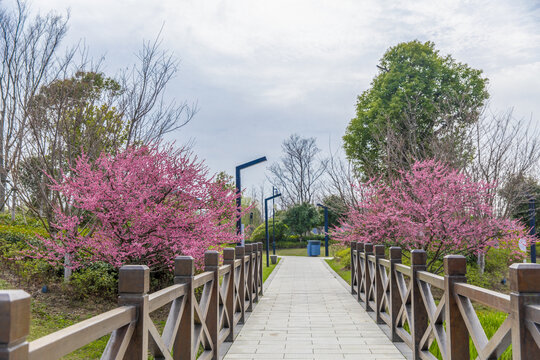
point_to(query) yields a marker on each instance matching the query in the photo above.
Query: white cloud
(264, 69)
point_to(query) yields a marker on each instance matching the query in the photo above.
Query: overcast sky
(262, 70)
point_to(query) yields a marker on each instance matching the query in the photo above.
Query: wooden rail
(401, 297)
(227, 292)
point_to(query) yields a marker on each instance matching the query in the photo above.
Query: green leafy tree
(419, 106)
(66, 118)
(259, 234)
(252, 217)
(302, 218)
(226, 179)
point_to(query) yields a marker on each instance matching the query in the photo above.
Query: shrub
(15, 240)
(21, 233)
(344, 257)
(496, 269)
(259, 234)
(29, 270)
(98, 280)
(306, 237)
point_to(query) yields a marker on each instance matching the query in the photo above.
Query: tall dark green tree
(302, 218)
(420, 105)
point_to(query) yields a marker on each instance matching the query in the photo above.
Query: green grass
(491, 320)
(338, 268)
(292, 252)
(299, 252)
(267, 270)
(44, 323)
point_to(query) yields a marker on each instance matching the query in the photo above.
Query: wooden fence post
(15, 324)
(228, 259)
(525, 290)
(353, 267)
(255, 249)
(457, 335)
(211, 263)
(183, 349)
(395, 298)
(379, 254)
(419, 313)
(359, 269)
(260, 254)
(133, 286)
(240, 251)
(249, 253)
(368, 250)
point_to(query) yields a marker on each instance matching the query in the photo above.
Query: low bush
(21, 233)
(27, 270)
(259, 234)
(495, 271)
(283, 244)
(98, 280)
(344, 257)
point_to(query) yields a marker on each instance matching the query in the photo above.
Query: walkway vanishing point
(307, 313)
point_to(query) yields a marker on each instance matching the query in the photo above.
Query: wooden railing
(403, 298)
(195, 328)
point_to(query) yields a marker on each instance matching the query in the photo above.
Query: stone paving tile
(307, 314)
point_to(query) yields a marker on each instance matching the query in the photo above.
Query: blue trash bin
(314, 248)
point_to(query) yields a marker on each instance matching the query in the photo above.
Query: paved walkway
(307, 314)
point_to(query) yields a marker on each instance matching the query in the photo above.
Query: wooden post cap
(14, 316)
(260, 246)
(395, 253)
(360, 246)
(368, 248)
(353, 245)
(379, 250)
(249, 248)
(211, 260)
(525, 278)
(184, 266)
(455, 265)
(228, 254)
(240, 251)
(134, 279)
(418, 257)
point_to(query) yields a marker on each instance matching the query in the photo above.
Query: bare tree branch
(299, 173)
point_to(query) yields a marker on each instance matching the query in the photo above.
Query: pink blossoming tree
(430, 207)
(144, 205)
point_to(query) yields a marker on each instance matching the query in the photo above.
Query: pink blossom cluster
(144, 205)
(430, 207)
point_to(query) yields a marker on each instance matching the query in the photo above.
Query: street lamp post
(274, 191)
(325, 228)
(239, 191)
(266, 223)
(532, 224)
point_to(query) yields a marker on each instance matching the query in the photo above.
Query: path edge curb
(271, 277)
